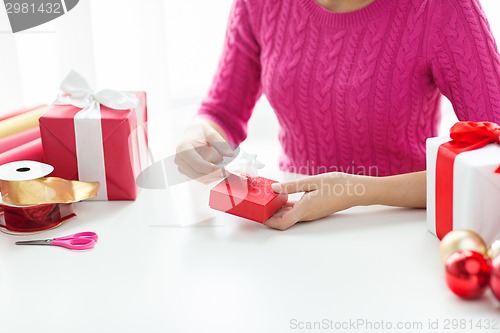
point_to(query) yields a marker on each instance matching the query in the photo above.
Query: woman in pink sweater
(355, 85)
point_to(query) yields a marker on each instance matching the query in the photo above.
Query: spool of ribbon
(88, 133)
(23, 183)
(34, 218)
(32, 202)
(46, 190)
(465, 136)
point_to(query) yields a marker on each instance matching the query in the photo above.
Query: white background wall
(168, 48)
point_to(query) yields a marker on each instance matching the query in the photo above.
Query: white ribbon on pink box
(88, 135)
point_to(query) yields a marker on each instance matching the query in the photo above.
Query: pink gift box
(121, 137)
(251, 198)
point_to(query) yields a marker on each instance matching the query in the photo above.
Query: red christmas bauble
(495, 277)
(468, 273)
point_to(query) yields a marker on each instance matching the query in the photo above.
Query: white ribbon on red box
(88, 135)
(245, 165)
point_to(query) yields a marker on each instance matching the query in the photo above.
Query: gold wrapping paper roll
(22, 122)
(46, 190)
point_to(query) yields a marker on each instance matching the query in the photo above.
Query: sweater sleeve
(236, 85)
(465, 63)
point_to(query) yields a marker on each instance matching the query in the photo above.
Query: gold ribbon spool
(17, 189)
(46, 190)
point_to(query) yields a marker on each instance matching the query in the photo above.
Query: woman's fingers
(305, 184)
(284, 209)
(284, 218)
(192, 158)
(209, 154)
(205, 179)
(202, 152)
(192, 165)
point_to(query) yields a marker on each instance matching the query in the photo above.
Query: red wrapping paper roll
(19, 139)
(34, 218)
(29, 151)
(18, 112)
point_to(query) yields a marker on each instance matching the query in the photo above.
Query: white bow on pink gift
(88, 131)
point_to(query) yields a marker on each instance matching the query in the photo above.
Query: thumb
(306, 184)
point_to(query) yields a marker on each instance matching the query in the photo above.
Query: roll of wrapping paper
(29, 151)
(20, 111)
(34, 218)
(18, 139)
(21, 122)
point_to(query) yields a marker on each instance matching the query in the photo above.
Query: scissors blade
(35, 242)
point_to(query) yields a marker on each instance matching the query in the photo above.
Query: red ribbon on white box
(88, 133)
(465, 136)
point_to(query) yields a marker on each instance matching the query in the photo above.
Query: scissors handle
(84, 235)
(79, 243)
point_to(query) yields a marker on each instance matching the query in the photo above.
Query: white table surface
(152, 272)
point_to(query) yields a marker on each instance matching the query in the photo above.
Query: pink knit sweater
(355, 92)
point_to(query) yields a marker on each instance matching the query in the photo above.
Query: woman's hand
(324, 195)
(329, 193)
(202, 147)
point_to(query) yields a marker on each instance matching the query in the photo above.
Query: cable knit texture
(355, 92)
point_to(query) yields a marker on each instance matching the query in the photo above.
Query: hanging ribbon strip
(34, 218)
(46, 190)
(465, 136)
(88, 133)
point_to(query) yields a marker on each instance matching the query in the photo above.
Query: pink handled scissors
(79, 241)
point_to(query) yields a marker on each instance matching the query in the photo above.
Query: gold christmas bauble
(494, 249)
(461, 240)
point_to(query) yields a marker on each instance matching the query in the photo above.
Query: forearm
(236, 86)
(406, 190)
(329, 193)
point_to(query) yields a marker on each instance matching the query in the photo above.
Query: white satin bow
(245, 165)
(76, 91)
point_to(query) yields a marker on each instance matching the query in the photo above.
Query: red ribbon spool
(35, 218)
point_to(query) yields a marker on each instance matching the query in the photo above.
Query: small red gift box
(251, 198)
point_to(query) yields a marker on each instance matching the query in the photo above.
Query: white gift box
(476, 191)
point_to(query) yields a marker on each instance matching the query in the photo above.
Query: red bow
(465, 136)
(475, 134)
